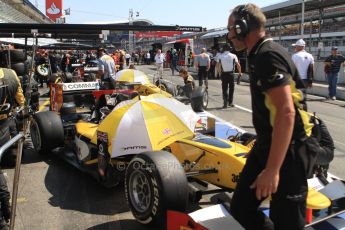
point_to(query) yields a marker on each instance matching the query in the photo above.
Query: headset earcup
(241, 28)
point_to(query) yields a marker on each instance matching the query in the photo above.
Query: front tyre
(199, 99)
(154, 183)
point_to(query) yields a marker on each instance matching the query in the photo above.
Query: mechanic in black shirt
(274, 166)
(11, 93)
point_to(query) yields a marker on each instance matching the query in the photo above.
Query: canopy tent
(185, 40)
(215, 34)
(30, 41)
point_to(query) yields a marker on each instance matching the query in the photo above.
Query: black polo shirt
(335, 62)
(271, 66)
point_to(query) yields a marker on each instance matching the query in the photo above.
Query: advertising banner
(157, 34)
(54, 9)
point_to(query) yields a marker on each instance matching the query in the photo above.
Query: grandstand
(322, 25)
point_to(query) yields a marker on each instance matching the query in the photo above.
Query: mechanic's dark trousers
(121, 66)
(202, 74)
(173, 67)
(8, 129)
(304, 91)
(40, 79)
(288, 204)
(4, 198)
(228, 83)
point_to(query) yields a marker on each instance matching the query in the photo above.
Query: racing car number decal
(235, 177)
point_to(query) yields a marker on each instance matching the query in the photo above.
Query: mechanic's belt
(106, 79)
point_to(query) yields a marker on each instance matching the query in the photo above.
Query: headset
(241, 25)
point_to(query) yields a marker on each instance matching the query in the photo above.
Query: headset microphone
(230, 38)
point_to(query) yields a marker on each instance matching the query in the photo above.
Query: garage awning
(215, 34)
(185, 40)
(30, 41)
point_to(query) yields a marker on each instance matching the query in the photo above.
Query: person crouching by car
(188, 80)
(106, 70)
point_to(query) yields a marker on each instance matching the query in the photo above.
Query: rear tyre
(19, 68)
(46, 131)
(154, 183)
(17, 55)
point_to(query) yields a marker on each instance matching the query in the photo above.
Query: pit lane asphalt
(55, 195)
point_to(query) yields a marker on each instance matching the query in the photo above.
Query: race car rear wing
(78, 86)
(58, 90)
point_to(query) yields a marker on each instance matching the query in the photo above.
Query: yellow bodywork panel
(317, 200)
(87, 130)
(148, 89)
(227, 161)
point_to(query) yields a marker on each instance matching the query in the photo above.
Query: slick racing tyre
(18, 55)
(46, 131)
(19, 68)
(199, 99)
(154, 183)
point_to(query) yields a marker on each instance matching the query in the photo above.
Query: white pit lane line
(250, 111)
(244, 109)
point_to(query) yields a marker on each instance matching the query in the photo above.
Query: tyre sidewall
(50, 129)
(154, 210)
(34, 128)
(197, 99)
(168, 184)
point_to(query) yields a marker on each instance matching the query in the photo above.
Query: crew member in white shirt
(159, 59)
(304, 62)
(228, 62)
(147, 58)
(128, 58)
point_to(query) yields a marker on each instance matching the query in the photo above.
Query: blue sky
(209, 14)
